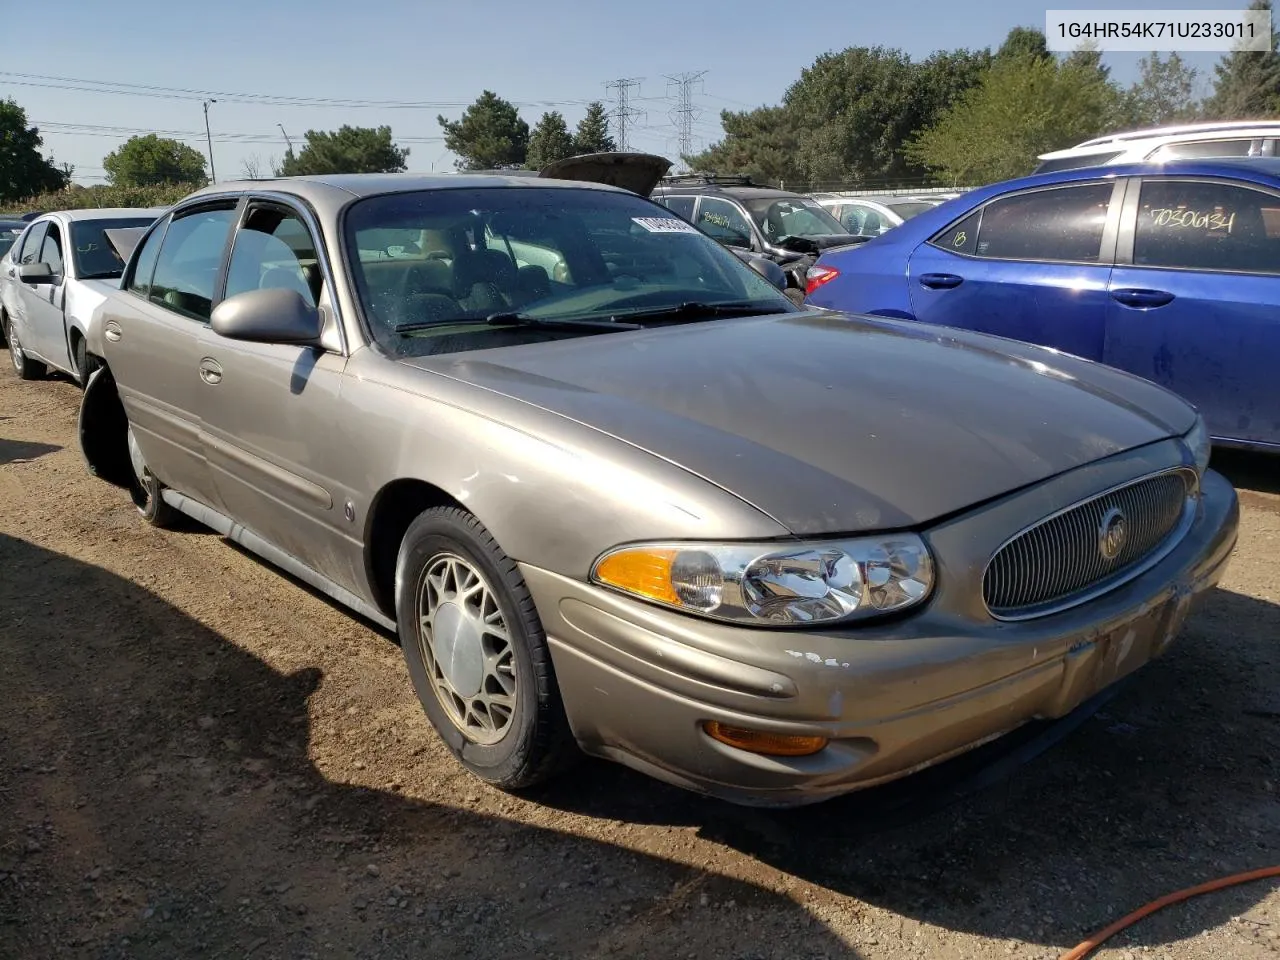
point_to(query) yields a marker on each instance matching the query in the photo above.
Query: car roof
(106, 213)
(1184, 129)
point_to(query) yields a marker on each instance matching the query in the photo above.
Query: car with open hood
(618, 495)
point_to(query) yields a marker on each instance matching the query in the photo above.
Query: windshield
(909, 208)
(798, 217)
(95, 258)
(438, 271)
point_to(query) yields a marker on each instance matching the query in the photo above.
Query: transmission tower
(684, 113)
(623, 113)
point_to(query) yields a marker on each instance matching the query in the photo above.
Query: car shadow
(1169, 785)
(20, 451)
(158, 798)
(1259, 472)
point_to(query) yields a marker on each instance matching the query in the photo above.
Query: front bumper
(639, 681)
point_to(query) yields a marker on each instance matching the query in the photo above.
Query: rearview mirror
(267, 316)
(35, 273)
(769, 270)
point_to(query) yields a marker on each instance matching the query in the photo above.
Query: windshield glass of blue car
(799, 217)
(96, 258)
(443, 270)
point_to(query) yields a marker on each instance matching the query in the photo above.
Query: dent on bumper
(639, 681)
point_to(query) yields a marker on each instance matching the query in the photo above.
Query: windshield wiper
(512, 319)
(692, 310)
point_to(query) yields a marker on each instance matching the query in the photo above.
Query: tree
(1163, 93)
(592, 135)
(1024, 43)
(24, 172)
(549, 142)
(255, 168)
(1247, 83)
(346, 150)
(1023, 107)
(148, 160)
(762, 143)
(490, 135)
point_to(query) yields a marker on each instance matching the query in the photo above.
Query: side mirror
(769, 270)
(267, 316)
(34, 273)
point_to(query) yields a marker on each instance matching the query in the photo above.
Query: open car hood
(124, 239)
(637, 172)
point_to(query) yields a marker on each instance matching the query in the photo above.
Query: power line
(623, 113)
(684, 113)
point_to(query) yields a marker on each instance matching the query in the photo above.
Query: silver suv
(1196, 141)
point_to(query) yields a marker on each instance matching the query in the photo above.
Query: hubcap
(466, 648)
(15, 349)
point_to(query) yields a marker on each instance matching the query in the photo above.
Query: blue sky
(549, 55)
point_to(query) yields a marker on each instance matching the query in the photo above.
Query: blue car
(1167, 270)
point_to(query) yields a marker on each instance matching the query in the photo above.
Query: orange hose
(1086, 948)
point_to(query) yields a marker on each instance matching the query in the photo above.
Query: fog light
(756, 741)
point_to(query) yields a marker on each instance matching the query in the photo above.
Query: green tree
(763, 143)
(592, 135)
(23, 169)
(490, 135)
(1023, 43)
(345, 150)
(549, 142)
(1163, 93)
(1247, 83)
(1023, 107)
(149, 160)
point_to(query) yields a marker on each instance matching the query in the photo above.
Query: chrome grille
(1060, 561)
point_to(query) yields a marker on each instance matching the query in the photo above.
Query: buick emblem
(1113, 533)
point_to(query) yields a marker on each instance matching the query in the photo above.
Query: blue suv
(1167, 270)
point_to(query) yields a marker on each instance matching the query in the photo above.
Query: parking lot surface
(200, 757)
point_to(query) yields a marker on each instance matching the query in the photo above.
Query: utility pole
(623, 113)
(684, 113)
(288, 142)
(213, 176)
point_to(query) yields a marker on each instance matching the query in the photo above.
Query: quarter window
(961, 237)
(1063, 224)
(145, 265)
(1200, 225)
(273, 250)
(187, 268)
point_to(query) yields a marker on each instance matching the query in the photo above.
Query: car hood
(824, 241)
(836, 424)
(637, 172)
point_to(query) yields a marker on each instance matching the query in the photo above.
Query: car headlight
(774, 584)
(1197, 440)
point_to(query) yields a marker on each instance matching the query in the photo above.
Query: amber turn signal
(770, 744)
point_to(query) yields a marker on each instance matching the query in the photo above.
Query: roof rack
(1226, 126)
(724, 180)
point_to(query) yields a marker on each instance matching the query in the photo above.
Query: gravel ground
(201, 758)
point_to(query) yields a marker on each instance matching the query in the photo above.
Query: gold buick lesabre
(619, 495)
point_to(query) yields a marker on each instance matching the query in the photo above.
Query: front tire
(477, 653)
(146, 490)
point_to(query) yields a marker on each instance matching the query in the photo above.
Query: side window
(187, 268)
(1063, 224)
(1200, 149)
(681, 205)
(31, 243)
(273, 250)
(721, 220)
(1199, 225)
(961, 237)
(51, 249)
(145, 265)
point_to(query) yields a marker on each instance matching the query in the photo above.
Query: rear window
(1077, 163)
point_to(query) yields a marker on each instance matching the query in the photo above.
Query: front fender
(103, 431)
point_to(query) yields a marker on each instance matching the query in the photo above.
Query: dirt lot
(198, 757)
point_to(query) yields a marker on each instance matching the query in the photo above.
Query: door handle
(210, 371)
(111, 330)
(1142, 299)
(940, 281)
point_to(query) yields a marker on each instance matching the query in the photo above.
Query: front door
(152, 342)
(1030, 266)
(1195, 299)
(44, 333)
(270, 417)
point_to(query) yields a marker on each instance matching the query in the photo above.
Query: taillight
(817, 275)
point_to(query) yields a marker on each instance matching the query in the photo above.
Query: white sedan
(52, 279)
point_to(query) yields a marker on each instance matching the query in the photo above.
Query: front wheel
(23, 366)
(477, 653)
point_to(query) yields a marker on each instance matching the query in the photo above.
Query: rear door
(271, 414)
(151, 339)
(1032, 265)
(1195, 299)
